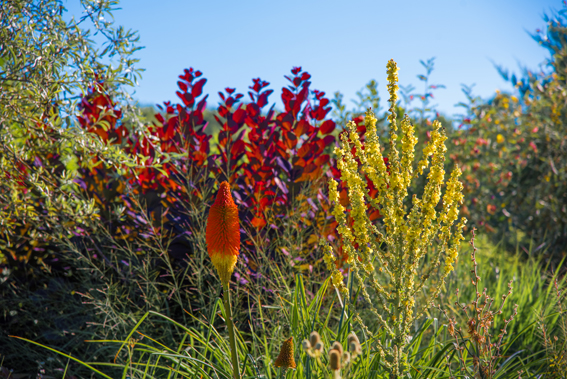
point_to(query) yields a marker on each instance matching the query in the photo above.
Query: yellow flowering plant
(398, 257)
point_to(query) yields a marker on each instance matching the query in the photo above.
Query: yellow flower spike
(392, 250)
(392, 70)
(285, 359)
(223, 233)
(408, 147)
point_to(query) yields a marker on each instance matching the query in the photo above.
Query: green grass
(154, 318)
(202, 350)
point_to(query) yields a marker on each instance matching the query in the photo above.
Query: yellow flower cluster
(398, 244)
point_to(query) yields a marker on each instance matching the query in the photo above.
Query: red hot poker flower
(223, 233)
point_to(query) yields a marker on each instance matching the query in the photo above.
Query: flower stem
(231, 336)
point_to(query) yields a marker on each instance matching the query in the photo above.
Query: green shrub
(513, 153)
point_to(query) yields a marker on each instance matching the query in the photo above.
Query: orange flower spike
(285, 358)
(223, 233)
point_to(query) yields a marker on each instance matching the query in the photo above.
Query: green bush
(513, 152)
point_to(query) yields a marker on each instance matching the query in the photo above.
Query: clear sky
(342, 44)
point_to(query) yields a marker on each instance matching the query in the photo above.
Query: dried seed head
(352, 338)
(337, 346)
(306, 345)
(314, 338)
(345, 358)
(317, 350)
(334, 360)
(285, 358)
(451, 329)
(355, 349)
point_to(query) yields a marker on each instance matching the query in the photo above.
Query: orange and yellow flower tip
(285, 358)
(223, 233)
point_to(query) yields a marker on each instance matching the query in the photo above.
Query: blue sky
(342, 44)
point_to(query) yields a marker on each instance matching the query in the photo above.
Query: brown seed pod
(334, 360)
(285, 358)
(355, 349)
(345, 358)
(314, 338)
(337, 346)
(352, 338)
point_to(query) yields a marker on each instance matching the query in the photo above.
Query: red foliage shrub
(268, 157)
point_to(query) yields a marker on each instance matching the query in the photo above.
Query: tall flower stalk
(223, 245)
(389, 258)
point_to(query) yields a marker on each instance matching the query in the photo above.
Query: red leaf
(321, 160)
(258, 223)
(301, 127)
(374, 215)
(290, 140)
(336, 173)
(202, 104)
(238, 147)
(197, 89)
(188, 100)
(222, 111)
(239, 115)
(263, 98)
(327, 127)
(310, 168)
(300, 162)
(188, 76)
(218, 119)
(287, 96)
(264, 202)
(305, 76)
(257, 86)
(303, 150)
(301, 97)
(253, 109)
(182, 86)
(326, 141)
(286, 121)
